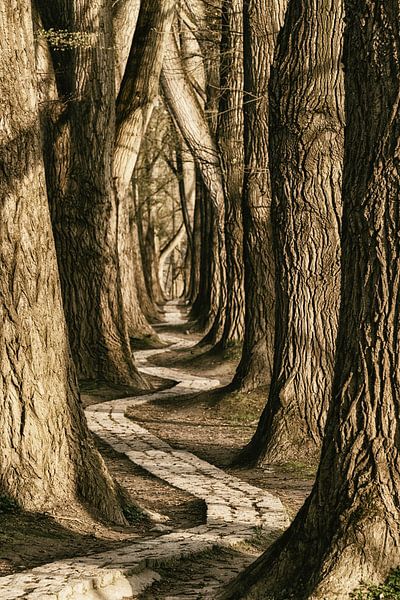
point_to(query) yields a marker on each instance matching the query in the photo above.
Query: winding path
(234, 508)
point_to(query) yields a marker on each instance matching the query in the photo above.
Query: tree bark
(125, 15)
(79, 149)
(134, 107)
(48, 460)
(148, 307)
(306, 155)
(230, 134)
(348, 529)
(262, 23)
(139, 87)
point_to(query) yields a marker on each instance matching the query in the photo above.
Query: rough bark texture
(47, 458)
(231, 146)
(195, 274)
(125, 15)
(79, 148)
(262, 23)
(139, 87)
(306, 155)
(348, 529)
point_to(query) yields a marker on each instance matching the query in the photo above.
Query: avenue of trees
(244, 157)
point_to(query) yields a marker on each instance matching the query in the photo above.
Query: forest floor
(213, 430)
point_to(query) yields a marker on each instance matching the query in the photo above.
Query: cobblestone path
(234, 508)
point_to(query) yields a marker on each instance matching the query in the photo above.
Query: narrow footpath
(234, 508)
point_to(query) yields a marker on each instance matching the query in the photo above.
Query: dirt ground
(212, 430)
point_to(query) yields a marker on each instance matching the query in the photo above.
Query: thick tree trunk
(231, 145)
(202, 308)
(47, 460)
(348, 529)
(306, 150)
(262, 23)
(137, 325)
(80, 139)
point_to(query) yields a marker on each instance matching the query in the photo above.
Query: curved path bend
(234, 508)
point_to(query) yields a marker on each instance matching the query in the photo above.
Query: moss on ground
(389, 590)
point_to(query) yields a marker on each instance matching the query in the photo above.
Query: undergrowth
(389, 590)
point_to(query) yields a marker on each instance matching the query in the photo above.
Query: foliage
(390, 590)
(62, 39)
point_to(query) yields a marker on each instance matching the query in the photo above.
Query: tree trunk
(137, 325)
(135, 102)
(139, 87)
(125, 15)
(231, 145)
(194, 286)
(262, 23)
(47, 460)
(348, 529)
(78, 156)
(306, 154)
(148, 307)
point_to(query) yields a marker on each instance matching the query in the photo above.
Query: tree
(262, 23)
(48, 459)
(230, 133)
(135, 102)
(79, 150)
(348, 529)
(306, 155)
(188, 113)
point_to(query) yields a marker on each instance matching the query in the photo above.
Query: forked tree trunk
(125, 14)
(230, 134)
(135, 102)
(262, 23)
(306, 155)
(47, 460)
(194, 285)
(348, 531)
(80, 143)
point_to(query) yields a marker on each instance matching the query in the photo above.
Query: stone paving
(234, 508)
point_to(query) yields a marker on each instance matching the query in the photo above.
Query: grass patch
(389, 590)
(299, 468)
(242, 408)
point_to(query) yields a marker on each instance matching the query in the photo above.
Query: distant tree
(189, 114)
(47, 458)
(348, 529)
